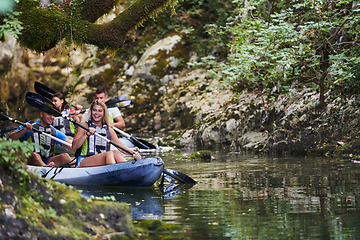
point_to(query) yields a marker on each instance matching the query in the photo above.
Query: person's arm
(118, 122)
(60, 135)
(118, 119)
(16, 135)
(69, 147)
(116, 140)
(77, 116)
(85, 116)
(81, 135)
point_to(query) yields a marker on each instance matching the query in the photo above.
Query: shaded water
(250, 197)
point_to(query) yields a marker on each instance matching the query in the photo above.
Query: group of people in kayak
(90, 149)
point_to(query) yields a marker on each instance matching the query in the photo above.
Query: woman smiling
(92, 150)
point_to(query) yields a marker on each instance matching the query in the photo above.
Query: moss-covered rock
(204, 155)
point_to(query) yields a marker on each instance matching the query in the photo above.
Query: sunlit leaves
(295, 42)
(10, 24)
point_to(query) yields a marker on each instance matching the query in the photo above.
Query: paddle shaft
(98, 135)
(36, 130)
(129, 136)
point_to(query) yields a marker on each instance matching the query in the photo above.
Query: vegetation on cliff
(294, 44)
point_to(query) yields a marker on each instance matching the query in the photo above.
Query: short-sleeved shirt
(59, 134)
(113, 112)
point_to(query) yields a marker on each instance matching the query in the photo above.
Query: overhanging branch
(93, 9)
(112, 35)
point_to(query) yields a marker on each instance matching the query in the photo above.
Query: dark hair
(61, 96)
(100, 90)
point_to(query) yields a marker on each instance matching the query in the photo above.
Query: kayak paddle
(121, 101)
(43, 90)
(4, 117)
(137, 142)
(46, 92)
(181, 177)
(5, 130)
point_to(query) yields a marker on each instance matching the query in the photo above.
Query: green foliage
(292, 44)
(14, 153)
(10, 24)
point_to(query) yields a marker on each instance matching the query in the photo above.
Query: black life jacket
(93, 144)
(64, 125)
(47, 143)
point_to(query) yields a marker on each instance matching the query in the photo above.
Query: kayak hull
(141, 173)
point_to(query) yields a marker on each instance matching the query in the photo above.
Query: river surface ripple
(252, 197)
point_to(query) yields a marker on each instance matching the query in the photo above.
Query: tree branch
(45, 27)
(332, 37)
(93, 9)
(112, 35)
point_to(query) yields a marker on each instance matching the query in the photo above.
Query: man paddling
(115, 117)
(45, 156)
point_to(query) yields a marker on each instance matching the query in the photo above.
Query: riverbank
(195, 113)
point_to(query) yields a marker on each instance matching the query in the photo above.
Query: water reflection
(171, 190)
(249, 197)
(146, 203)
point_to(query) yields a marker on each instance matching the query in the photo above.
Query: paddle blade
(180, 177)
(121, 101)
(142, 144)
(5, 131)
(43, 90)
(42, 103)
(124, 103)
(173, 189)
(3, 116)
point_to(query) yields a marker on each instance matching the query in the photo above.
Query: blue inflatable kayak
(141, 173)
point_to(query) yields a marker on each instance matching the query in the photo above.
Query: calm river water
(250, 197)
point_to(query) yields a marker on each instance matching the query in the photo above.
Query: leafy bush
(293, 44)
(14, 154)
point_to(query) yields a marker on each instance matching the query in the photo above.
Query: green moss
(48, 26)
(156, 229)
(300, 152)
(104, 79)
(172, 140)
(201, 155)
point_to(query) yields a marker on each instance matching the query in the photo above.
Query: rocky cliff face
(259, 123)
(14, 72)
